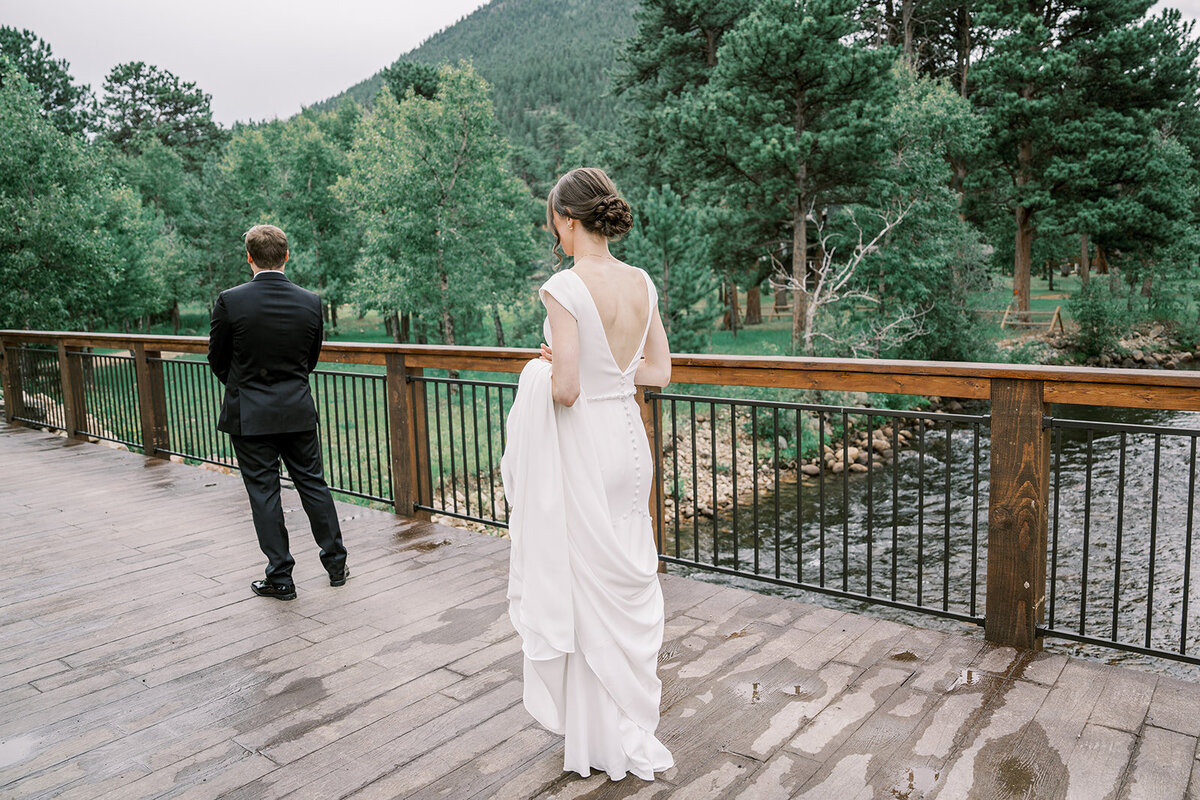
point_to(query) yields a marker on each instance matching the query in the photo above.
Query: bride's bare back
(619, 293)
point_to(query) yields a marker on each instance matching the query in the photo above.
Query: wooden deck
(135, 663)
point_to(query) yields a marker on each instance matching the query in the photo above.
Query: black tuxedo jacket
(265, 340)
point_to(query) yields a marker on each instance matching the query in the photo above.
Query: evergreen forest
(877, 173)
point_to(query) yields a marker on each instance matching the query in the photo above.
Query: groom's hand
(547, 353)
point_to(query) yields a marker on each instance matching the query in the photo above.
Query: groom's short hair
(267, 245)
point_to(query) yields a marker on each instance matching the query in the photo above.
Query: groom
(265, 340)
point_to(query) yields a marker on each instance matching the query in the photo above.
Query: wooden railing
(1018, 502)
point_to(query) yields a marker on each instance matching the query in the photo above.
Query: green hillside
(539, 55)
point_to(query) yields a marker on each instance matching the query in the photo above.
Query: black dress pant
(258, 458)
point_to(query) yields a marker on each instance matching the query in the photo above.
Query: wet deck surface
(135, 663)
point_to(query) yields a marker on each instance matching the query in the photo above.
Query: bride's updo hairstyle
(587, 194)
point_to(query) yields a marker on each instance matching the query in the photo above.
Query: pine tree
(671, 241)
(788, 121)
(68, 106)
(143, 100)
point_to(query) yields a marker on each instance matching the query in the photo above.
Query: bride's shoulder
(645, 276)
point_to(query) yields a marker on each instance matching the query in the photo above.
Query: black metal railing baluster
(870, 506)
(1120, 532)
(487, 411)
(778, 487)
(920, 510)
(503, 434)
(799, 498)
(475, 433)
(355, 428)
(675, 474)
(695, 487)
(1187, 547)
(821, 497)
(1087, 533)
(1057, 478)
(754, 482)
(737, 548)
(462, 426)
(1153, 536)
(450, 389)
(975, 523)
(845, 501)
(946, 510)
(383, 463)
(194, 436)
(895, 504)
(712, 441)
(437, 412)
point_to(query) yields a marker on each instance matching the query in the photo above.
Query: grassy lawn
(772, 337)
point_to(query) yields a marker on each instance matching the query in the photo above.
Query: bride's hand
(547, 353)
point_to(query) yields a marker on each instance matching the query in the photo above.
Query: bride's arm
(655, 369)
(564, 331)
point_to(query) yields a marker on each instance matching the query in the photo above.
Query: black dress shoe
(340, 579)
(279, 591)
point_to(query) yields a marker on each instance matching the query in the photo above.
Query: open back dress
(583, 587)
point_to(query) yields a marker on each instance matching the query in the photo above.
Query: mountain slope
(537, 54)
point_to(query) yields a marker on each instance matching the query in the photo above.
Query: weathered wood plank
(1160, 765)
(157, 674)
(1175, 706)
(1097, 764)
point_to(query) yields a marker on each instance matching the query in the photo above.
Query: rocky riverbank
(713, 488)
(1148, 347)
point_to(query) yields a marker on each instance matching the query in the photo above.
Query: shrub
(1099, 317)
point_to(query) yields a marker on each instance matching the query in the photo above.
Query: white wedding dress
(583, 585)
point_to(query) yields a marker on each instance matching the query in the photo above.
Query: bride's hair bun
(588, 195)
(611, 217)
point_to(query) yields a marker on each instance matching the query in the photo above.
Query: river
(913, 540)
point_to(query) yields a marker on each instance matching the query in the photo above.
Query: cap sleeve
(559, 286)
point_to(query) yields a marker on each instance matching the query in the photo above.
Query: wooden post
(1017, 514)
(13, 398)
(406, 432)
(650, 423)
(152, 399)
(71, 378)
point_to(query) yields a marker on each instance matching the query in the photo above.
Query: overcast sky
(258, 59)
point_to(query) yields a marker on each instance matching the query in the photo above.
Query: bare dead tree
(832, 281)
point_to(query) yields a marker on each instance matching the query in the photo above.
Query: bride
(583, 586)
